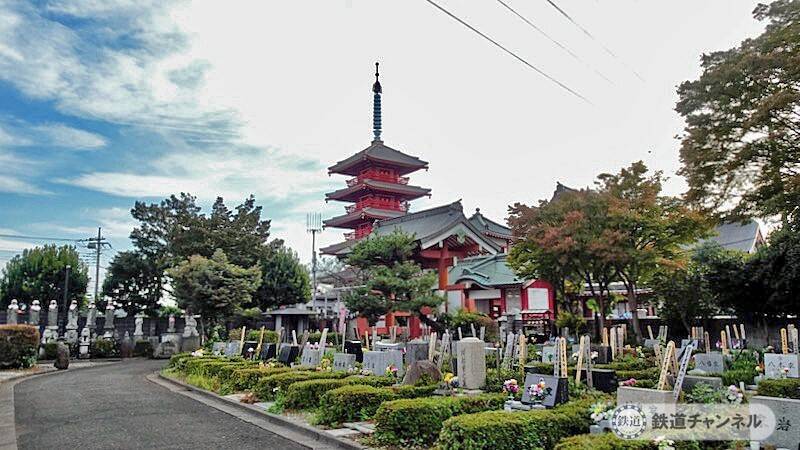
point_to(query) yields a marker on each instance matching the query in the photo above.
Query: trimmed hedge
(784, 388)
(244, 379)
(178, 361)
(351, 403)
(418, 421)
(307, 394)
(733, 377)
(644, 374)
(19, 345)
(606, 441)
(501, 430)
(266, 387)
(225, 373)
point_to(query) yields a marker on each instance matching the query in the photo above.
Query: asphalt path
(116, 407)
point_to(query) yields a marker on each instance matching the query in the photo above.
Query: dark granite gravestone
(559, 392)
(288, 354)
(603, 355)
(604, 380)
(249, 349)
(267, 352)
(354, 348)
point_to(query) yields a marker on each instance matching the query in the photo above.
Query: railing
(378, 176)
(393, 205)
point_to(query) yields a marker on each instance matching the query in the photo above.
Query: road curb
(319, 435)
(8, 427)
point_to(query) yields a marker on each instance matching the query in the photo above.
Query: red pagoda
(379, 186)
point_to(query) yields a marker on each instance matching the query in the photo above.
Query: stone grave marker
(382, 346)
(416, 350)
(548, 354)
(268, 351)
(342, 362)
(288, 353)
(774, 363)
(629, 395)
(712, 362)
(690, 381)
(650, 343)
(218, 348)
(354, 348)
(377, 362)
(310, 357)
(558, 389)
(471, 363)
(787, 420)
(233, 349)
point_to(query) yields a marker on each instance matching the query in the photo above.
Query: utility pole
(314, 226)
(97, 245)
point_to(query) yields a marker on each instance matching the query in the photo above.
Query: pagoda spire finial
(376, 106)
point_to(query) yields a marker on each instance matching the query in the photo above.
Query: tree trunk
(633, 304)
(601, 315)
(436, 326)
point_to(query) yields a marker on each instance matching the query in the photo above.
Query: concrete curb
(326, 439)
(8, 427)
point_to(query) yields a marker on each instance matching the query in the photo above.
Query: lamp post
(63, 328)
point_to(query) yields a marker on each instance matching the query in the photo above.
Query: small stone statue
(126, 348)
(91, 316)
(62, 356)
(138, 334)
(52, 314)
(109, 322)
(190, 327)
(83, 348)
(33, 315)
(72, 315)
(13, 312)
(171, 328)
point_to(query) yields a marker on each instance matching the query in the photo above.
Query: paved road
(116, 407)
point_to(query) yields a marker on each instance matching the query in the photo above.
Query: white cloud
(60, 135)
(15, 185)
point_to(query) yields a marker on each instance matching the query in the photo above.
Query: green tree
(213, 287)
(649, 229)
(740, 148)
(568, 238)
(393, 281)
(134, 282)
(39, 274)
(284, 279)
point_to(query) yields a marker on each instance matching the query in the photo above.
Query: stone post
(13, 312)
(33, 314)
(471, 363)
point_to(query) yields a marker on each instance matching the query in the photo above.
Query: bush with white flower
(601, 411)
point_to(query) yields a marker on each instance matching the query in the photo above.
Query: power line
(38, 238)
(519, 58)
(559, 44)
(591, 36)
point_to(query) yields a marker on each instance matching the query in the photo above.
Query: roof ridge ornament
(377, 90)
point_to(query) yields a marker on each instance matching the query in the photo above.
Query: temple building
(379, 196)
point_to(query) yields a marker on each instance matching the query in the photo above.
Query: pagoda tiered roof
(378, 154)
(358, 216)
(368, 186)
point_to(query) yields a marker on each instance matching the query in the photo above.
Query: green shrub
(143, 348)
(178, 361)
(192, 366)
(606, 441)
(331, 338)
(351, 403)
(639, 374)
(306, 394)
(784, 388)
(374, 381)
(627, 363)
(19, 345)
(104, 348)
(500, 430)
(208, 368)
(733, 377)
(225, 372)
(418, 421)
(543, 368)
(496, 377)
(266, 387)
(244, 379)
(412, 391)
(50, 351)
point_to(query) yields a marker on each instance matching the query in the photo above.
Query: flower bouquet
(450, 382)
(629, 382)
(511, 387)
(734, 395)
(539, 391)
(601, 411)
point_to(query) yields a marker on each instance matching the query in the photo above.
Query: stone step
(343, 432)
(361, 427)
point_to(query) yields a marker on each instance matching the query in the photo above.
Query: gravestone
(712, 362)
(342, 362)
(471, 363)
(774, 363)
(219, 348)
(604, 380)
(685, 342)
(603, 354)
(83, 346)
(650, 343)
(12, 313)
(33, 314)
(354, 348)
(288, 353)
(377, 362)
(310, 357)
(627, 395)
(190, 343)
(548, 354)
(268, 351)
(419, 369)
(249, 349)
(165, 350)
(690, 381)
(383, 346)
(126, 347)
(558, 389)
(233, 348)
(416, 350)
(787, 420)
(138, 334)
(72, 323)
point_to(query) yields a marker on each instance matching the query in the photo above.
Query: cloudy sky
(104, 102)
